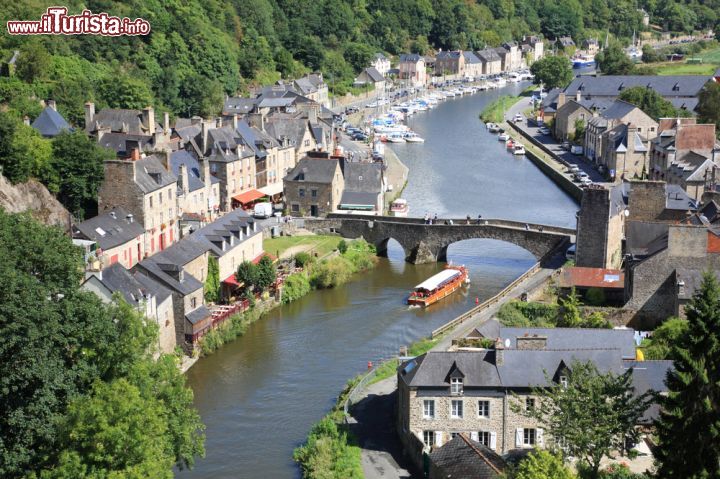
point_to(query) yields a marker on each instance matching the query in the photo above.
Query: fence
(485, 304)
(359, 388)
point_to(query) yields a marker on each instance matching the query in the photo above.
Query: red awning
(248, 196)
(231, 280)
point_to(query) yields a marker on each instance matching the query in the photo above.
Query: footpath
(373, 413)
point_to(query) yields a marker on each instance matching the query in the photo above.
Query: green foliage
(664, 339)
(614, 61)
(552, 71)
(495, 111)
(303, 259)
(330, 273)
(708, 108)
(592, 416)
(595, 296)
(342, 246)
(23, 152)
(212, 283)
(649, 101)
(67, 359)
(266, 274)
(295, 287)
(328, 453)
(651, 55)
(233, 327)
(620, 471)
(596, 320)
(542, 464)
(689, 424)
(519, 314)
(247, 274)
(569, 311)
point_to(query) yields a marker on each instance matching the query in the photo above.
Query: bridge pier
(424, 253)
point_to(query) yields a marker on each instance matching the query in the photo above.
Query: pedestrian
(527, 227)
(427, 218)
(479, 219)
(540, 229)
(435, 217)
(450, 222)
(468, 219)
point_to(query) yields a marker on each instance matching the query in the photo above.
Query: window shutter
(519, 437)
(489, 409)
(540, 437)
(438, 438)
(474, 435)
(493, 441)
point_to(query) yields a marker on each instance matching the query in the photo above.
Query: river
(260, 394)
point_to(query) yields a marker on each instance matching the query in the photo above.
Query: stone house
(473, 65)
(198, 194)
(449, 63)
(364, 187)
(686, 154)
(537, 47)
(381, 63)
(412, 69)
(269, 163)
(113, 128)
(313, 87)
(314, 187)
(566, 43)
(443, 394)
(49, 122)
(568, 115)
(119, 237)
(491, 61)
(513, 60)
(298, 131)
(154, 301)
(231, 239)
(371, 77)
(591, 46)
(144, 187)
(464, 456)
(600, 227)
(182, 269)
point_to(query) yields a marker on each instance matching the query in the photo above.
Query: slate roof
(448, 55)
(198, 314)
(380, 56)
(237, 223)
(576, 338)
(671, 86)
(151, 175)
(292, 128)
(432, 369)
(282, 102)
(488, 55)
(618, 109)
(692, 279)
(118, 142)
(109, 232)
(187, 132)
(464, 458)
(645, 239)
(172, 259)
(123, 121)
(358, 198)
(471, 58)
(257, 140)
(50, 123)
(313, 170)
(363, 177)
(649, 376)
(239, 105)
(182, 157)
(374, 75)
(133, 287)
(411, 57)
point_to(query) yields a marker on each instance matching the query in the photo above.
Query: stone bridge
(425, 243)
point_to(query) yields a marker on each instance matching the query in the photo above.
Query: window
(456, 409)
(428, 409)
(529, 437)
(529, 404)
(193, 302)
(150, 199)
(160, 197)
(453, 435)
(564, 381)
(295, 208)
(429, 438)
(484, 409)
(484, 438)
(313, 193)
(456, 385)
(301, 192)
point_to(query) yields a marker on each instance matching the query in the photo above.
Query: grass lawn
(495, 111)
(710, 56)
(677, 68)
(320, 244)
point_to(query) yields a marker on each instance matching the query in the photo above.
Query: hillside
(33, 197)
(198, 51)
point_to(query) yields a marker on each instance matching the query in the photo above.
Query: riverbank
(396, 176)
(495, 111)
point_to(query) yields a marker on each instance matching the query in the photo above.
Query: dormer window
(456, 386)
(564, 381)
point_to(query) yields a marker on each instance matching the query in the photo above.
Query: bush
(519, 314)
(330, 273)
(342, 246)
(660, 345)
(596, 320)
(595, 297)
(296, 286)
(303, 259)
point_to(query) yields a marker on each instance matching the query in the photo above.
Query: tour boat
(396, 138)
(581, 61)
(399, 208)
(439, 286)
(518, 149)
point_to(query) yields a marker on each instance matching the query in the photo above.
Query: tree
(542, 464)
(649, 101)
(266, 274)
(342, 246)
(570, 311)
(689, 424)
(212, 283)
(708, 108)
(552, 71)
(614, 61)
(664, 338)
(579, 129)
(247, 274)
(79, 165)
(592, 416)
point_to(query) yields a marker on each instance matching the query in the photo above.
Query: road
(528, 126)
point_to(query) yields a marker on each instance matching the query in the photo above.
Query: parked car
(565, 145)
(574, 168)
(544, 131)
(585, 181)
(576, 150)
(570, 253)
(359, 136)
(580, 175)
(351, 109)
(518, 118)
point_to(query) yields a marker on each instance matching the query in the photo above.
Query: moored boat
(439, 286)
(399, 208)
(518, 149)
(503, 137)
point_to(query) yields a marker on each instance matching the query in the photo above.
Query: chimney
(51, 104)
(313, 114)
(148, 117)
(130, 218)
(219, 122)
(235, 121)
(166, 122)
(578, 95)
(196, 120)
(204, 139)
(165, 159)
(89, 115)
(499, 352)
(532, 342)
(560, 99)
(135, 154)
(183, 179)
(205, 170)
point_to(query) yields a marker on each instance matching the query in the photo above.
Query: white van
(576, 150)
(263, 210)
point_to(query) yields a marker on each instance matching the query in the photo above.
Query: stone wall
(165, 316)
(593, 225)
(647, 200)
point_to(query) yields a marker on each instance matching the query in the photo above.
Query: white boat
(492, 127)
(396, 138)
(503, 137)
(399, 208)
(518, 149)
(414, 138)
